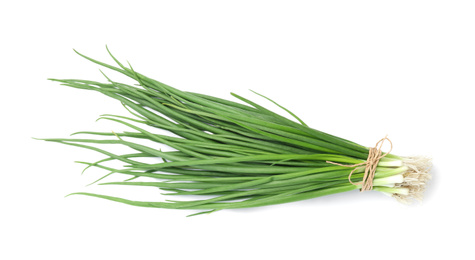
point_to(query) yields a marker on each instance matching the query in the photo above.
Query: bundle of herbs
(238, 155)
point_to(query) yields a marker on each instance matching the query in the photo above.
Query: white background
(356, 69)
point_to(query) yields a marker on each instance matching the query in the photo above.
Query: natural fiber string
(371, 164)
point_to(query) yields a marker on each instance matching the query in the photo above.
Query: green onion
(238, 155)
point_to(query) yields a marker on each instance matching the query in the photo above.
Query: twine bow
(370, 165)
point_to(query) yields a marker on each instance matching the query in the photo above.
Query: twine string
(370, 165)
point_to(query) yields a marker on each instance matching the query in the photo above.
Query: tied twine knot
(370, 165)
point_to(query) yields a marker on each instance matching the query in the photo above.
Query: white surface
(356, 69)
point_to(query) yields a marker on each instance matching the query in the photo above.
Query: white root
(415, 178)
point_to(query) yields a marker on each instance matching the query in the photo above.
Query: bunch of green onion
(238, 155)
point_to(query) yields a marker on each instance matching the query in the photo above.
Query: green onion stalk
(236, 154)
